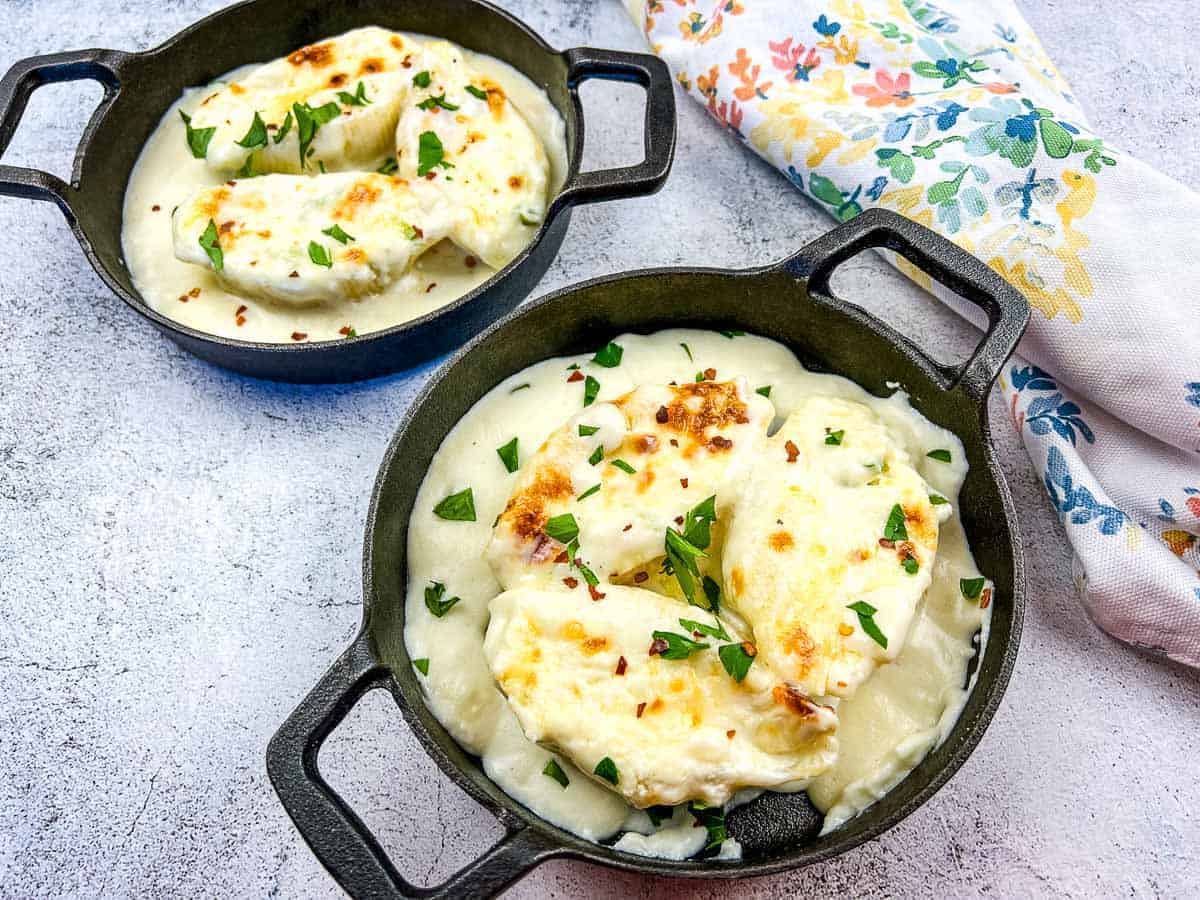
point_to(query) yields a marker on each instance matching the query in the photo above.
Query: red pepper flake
(596, 595)
(345, 330)
(293, 274)
(717, 442)
(985, 598)
(562, 557)
(710, 374)
(658, 645)
(571, 582)
(885, 542)
(679, 520)
(299, 335)
(241, 309)
(641, 577)
(194, 293)
(240, 321)
(183, 298)
(662, 416)
(155, 208)
(231, 183)
(749, 649)
(470, 262)
(418, 232)
(627, 527)
(730, 733)
(683, 482)
(431, 286)
(793, 451)
(621, 664)
(674, 443)
(429, 176)
(641, 708)
(406, 62)
(575, 376)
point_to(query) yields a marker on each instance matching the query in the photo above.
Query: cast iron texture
(138, 87)
(789, 302)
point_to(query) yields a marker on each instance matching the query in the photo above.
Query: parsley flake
(284, 128)
(563, 528)
(430, 154)
(941, 455)
(335, 232)
(458, 507)
(588, 430)
(588, 492)
(623, 466)
(937, 499)
(319, 255)
(597, 455)
(866, 619)
(422, 79)
(609, 355)
(688, 351)
(678, 646)
(607, 769)
(256, 137)
(732, 334)
(712, 592)
(476, 92)
(197, 138)
(713, 820)
(591, 388)
(971, 587)
(554, 770)
(434, 593)
(431, 102)
(911, 566)
(737, 660)
(422, 665)
(895, 529)
(389, 166)
(508, 455)
(212, 247)
(714, 631)
(358, 98)
(765, 390)
(834, 438)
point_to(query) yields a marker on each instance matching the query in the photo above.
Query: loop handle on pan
(335, 833)
(659, 131)
(1007, 310)
(18, 86)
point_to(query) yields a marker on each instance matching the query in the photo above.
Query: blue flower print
(1193, 393)
(1077, 502)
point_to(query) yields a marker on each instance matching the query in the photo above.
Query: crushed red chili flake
(596, 595)
(717, 442)
(683, 482)
(985, 598)
(470, 262)
(240, 321)
(621, 664)
(793, 451)
(641, 577)
(406, 62)
(730, 733)
(710, 374)
(674, 443)
(241, 309)
(885, 542)
(155, 208)
(293, 274)
(183, 298)
(627, 527)
(345, 330)
(561, 558)
(571, 582)
(662, 416)
(641, 708)
(418, 232)
(679, 520)
(194, 293)
(575, 376)
(299, 335)
(231, 183)
(658, 645)
(429, 176)
(431, 286)
(749, 649)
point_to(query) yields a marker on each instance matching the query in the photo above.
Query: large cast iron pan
(138, 88)
(789, 302)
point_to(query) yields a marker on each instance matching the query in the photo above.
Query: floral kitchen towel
(954, 116)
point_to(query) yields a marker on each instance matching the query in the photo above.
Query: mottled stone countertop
(181, 546)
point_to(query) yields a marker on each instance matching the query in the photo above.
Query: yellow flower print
(1179, 541)
(787, 123)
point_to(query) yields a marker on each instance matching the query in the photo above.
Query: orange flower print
(729, 114)
(792, 60)
(886, 90)
(707, 87)
(1000, 87)
(748, 75)
(1179, 541)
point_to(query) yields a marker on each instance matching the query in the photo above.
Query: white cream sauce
(166, 174)
(904, 710)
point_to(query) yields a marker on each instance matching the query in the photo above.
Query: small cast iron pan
(138, 88)
(790, 302)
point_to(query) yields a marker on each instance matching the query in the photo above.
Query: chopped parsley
(458, 507)
(623, 466)
(337, 234)
(256, 137)
(434, 593)
(508, 455)
(688, 351)
(212, 247)
(684, 548)
(732, 334)
(895, 530)
(597, 455)
(591, 387)
(712, 591)
(476, 92)
(521, 387)
(358, 98)
(714, 631)
(588, 430)
(308, 121)
(563, 529)
(422, 665)
(941, 455)
(554, 770)
(431, 102)
(834, 438)
(422, 79)
(409, 232)
(697, 520)
(284, 128)
(609, 355)
(866, 619)
(588, 492)
(937, 499)
(737, 660)
(430, 154)
(197, 138)
(319, 255)
(971, 587)
(389, 166)
(247, 169)
(765, 390)
(713, 820)
(679, 646)
(607, 769)
(911, 566)
(530, 217)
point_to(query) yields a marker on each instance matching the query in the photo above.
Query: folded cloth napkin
(954, 116)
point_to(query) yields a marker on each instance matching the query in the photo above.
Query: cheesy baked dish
(355, 184)
(648, 583)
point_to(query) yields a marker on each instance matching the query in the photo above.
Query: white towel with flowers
(954, 116)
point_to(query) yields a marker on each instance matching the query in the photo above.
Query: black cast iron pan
(790, 302)
(138, 88)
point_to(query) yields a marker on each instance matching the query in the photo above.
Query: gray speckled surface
(180, 551)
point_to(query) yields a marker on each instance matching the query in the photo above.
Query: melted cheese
(580, 676)
(167, 175)
(894, 718)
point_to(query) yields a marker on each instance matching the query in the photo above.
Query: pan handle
(338, 837)
(18, 85)
(659, 132)
(1007, 310)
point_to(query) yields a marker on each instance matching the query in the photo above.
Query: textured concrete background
(180, 550)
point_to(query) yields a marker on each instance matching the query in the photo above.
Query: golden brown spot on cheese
(798, 644)
(397, 43)
(657, 704)
(789, 695)
(697, 407)
(212, 202)
(337, 80)
(236, 88)
(315, 55)
(362, 194)
(526, 510)
(645, 479)
(515, 182)
(495, 98)
(355, 255)
(475, 136)
(737, 580)
(781, 541)
(644, 443)
(676, 685)
(845, 630)
(593, 645)
(573, 630)
(920, 526)
(371, 66)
